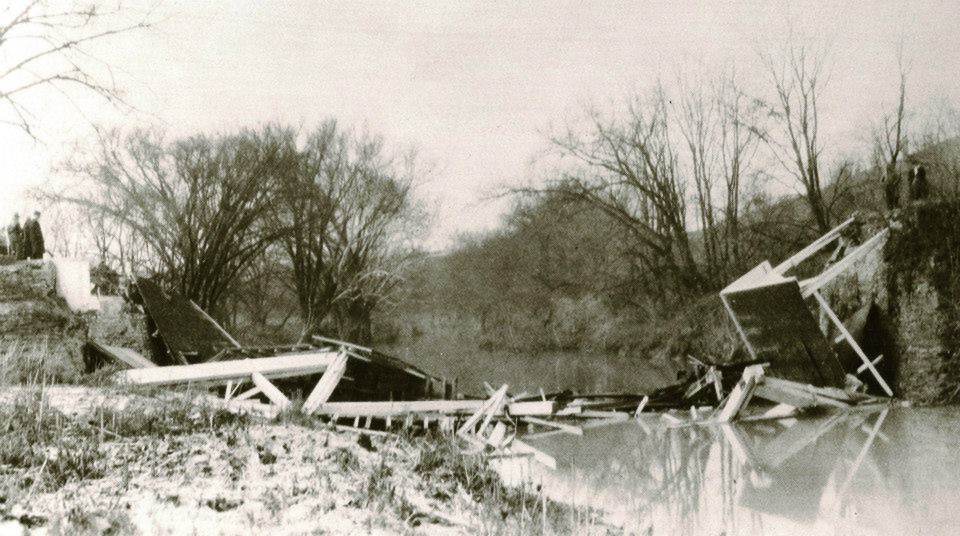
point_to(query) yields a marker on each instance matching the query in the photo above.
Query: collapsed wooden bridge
(793, 367)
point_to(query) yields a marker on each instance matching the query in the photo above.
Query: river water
(882, 471)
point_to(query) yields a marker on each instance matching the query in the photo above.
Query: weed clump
(36, 439)
(343, 459)
(172, 417)
(46, 449)
(447, 469)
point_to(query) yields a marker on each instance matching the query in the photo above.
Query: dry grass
(40, 360)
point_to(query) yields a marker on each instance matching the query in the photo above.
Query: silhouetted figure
(15, 239)
(33, 237)
(919, 187)
(891, 190)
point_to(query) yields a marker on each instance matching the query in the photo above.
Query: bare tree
(308, 196)
(43, 46)
(629, 170)
(738, 144)
(714, 120)
(339, 215)
(698, 117)
(890, 141)
(196, 205)
(798, 79)
(370, 234)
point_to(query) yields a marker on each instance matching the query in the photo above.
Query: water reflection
(885, 471)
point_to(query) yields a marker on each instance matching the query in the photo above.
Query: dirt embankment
(41, 339)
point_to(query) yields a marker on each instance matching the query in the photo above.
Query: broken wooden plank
(569, 428)
(471, 423)
(795, 398)
(270, 391)
(811, 249)
(437, 406)
(327, 383)
(741, 393)
(852, 342)
(717, 378)
(614, 415)
(497, 435)
(780, 411)
(247, 394)
(809, 286)
(829, 392)
(519, 447)
(224, 371)
(127, 356)
(641, 406)
(495, 409)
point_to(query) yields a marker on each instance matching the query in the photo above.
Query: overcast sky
(473, 85)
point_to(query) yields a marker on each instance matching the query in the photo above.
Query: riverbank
(165, 465)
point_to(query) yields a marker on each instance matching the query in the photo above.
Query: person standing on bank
(33, 237)
(919, 187)
(15, 239)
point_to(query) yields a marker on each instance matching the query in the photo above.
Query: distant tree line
(646, 211)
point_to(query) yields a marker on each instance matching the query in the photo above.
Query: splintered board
(184, 327)
(778, 326)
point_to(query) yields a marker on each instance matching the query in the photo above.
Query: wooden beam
(217, 326)
(811, 249)
(338, 342)
(471, 423)
(569, 428)
(641, 406)
(697, 385)
(864, 367)
(809, 286)
(780, 411)
(270, 391)
(614, 415)
(519, 447)
(736, 324)
(223, 371)
(460, 407)
(494, 409)
(828, 392)
(127, 356)
(795, 397)
(741, 393)
(327, 383)
(246, 394)
(852, 342)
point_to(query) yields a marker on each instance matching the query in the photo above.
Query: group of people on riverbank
(25, 241)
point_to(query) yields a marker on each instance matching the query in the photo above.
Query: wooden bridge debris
(354, 387)
(769, 310)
